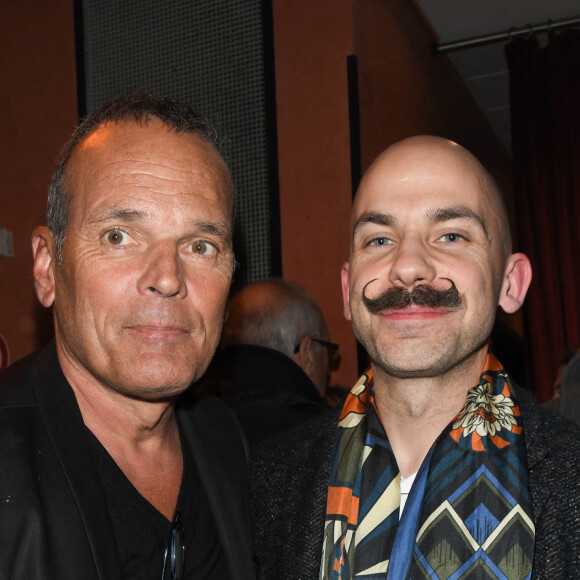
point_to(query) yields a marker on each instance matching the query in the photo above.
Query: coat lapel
(65, 427)
(220, 458)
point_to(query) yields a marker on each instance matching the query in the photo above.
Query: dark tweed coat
(289, 485)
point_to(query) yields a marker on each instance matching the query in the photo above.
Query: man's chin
(416, 365)
(154, 392)
(156, 380)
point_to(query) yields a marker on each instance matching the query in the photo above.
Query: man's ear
(43, 267)
(517, 279)
(304, 357)
(344, 279)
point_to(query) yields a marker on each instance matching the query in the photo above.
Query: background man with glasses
(108, 468)
(275, 365)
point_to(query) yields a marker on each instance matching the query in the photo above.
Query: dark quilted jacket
(290, 475)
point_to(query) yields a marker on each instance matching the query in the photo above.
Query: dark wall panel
(214, 55)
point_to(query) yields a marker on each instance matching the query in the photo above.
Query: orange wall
(404, 90)
(311, 43)
(38, 112)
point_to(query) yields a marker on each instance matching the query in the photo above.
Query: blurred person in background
(274, 367)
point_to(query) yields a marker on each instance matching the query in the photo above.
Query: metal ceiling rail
(550, 26)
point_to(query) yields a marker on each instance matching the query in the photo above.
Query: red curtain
(545, 112)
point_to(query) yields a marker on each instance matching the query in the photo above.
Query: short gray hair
(275, 314)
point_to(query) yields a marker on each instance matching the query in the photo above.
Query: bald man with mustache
(437, 465)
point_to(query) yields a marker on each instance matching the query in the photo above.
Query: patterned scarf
(469, 512)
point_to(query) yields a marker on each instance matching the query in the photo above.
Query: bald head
(429, 164)
(275, 314)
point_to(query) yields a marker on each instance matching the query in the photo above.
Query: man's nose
(164, 271)
(412, 263)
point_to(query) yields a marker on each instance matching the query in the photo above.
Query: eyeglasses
(174, 557)
(332, 347)
(333, 354)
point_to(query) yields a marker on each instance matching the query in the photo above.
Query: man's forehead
(421, 201)
(421, 177)
(126, 141)
(112, 134)
(145, 156)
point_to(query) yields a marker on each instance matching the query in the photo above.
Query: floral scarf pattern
(469, 512)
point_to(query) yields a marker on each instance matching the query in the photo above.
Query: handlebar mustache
(398, 298)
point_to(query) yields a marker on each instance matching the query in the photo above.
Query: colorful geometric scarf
(469, 512)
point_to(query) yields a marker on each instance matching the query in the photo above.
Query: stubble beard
(429, 356)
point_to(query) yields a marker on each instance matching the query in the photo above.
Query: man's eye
(115, 237)
(202, 248)
(380, 241)
(451, 237)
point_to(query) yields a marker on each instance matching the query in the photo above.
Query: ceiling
(484, 68)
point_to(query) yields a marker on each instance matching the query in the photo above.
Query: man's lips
(158, 330)
(415, 313)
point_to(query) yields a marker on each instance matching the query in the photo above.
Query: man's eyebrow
(117, 213)
(373, 217)
(221, 230)
(451, 213)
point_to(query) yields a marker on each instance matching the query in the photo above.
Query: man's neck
(141, 436)
(414, 411)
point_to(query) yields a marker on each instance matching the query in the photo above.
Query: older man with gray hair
(274, 368)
